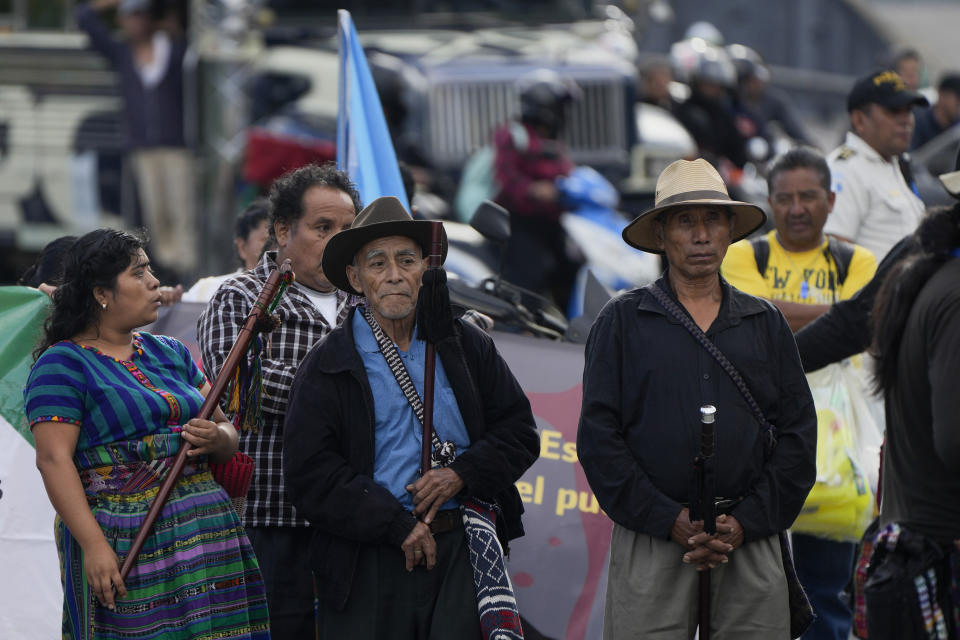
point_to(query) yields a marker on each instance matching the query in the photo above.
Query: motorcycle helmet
(544, 97)
(705, 31)
(696, 60)
(714, 66)
(748, 63)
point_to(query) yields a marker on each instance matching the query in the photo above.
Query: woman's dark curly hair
(94, 260)
(937, 236)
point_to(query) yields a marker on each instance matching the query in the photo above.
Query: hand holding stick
(705, 509)
(255, 323)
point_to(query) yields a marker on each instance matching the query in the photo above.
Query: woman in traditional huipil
(109, 409)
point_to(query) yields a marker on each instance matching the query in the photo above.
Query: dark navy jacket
(644, 381)
(844, 330)
(921, 457)
(328, 449)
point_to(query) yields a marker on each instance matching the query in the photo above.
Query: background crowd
(835, 207)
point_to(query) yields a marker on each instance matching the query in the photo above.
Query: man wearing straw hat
(390, 547)
(645, 378)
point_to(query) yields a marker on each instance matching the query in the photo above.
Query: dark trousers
(389, 603)
(282, 554)
(537, 258)
(824, 568)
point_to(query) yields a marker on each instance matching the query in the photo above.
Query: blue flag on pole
(364, 148)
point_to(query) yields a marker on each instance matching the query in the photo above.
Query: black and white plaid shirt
(301, 326)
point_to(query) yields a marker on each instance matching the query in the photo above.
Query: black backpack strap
(841, 253)
(761, 253)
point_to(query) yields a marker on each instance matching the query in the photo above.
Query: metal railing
(462, 112)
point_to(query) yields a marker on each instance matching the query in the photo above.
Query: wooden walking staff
(702, 506)
(434, 261)
(257, 322)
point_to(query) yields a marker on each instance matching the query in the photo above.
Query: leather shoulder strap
(674, 310)
(441, 453)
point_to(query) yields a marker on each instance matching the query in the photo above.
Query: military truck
(446, 79)
(446, 87)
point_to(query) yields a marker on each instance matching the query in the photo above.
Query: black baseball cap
(885, 88)
(950, 82)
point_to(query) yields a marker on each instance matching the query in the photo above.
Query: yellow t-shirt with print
(803, 277)
(834, 510)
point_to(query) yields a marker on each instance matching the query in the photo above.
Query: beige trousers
(165, 184)
(653, 595)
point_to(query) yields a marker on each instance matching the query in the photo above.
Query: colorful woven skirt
(196, 578)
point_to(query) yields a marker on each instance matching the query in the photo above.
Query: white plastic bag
(841, 503)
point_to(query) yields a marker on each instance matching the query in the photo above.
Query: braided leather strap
(442, 453)
(674, 310)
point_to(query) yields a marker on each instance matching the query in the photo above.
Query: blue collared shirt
(398, 432)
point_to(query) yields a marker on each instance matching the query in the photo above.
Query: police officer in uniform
(876, 204)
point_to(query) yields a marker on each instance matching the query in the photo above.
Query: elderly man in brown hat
(657, 355)
(392, 549)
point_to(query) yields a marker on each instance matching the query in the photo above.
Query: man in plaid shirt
(308, 206)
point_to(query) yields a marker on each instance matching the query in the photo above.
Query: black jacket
(921, 457)
(644, 381)
(711, 123)
(845, 329)
(329, 453)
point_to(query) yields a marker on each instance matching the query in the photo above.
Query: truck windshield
(440, 13)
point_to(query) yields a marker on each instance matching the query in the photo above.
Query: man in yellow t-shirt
(801, 272)
(804, 273)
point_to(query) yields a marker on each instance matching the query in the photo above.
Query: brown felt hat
(690, 183)
(382, 218)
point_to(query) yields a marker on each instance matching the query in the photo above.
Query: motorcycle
(477, 250)
(593, 223)
(475, 284)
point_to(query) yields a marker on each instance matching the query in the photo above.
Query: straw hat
(951, 180)
(690, 183)
(381, 218)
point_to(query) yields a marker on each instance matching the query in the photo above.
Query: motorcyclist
(708, 114)
(757, 105)
(529, 157)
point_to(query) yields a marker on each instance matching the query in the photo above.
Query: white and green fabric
(31, 590)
